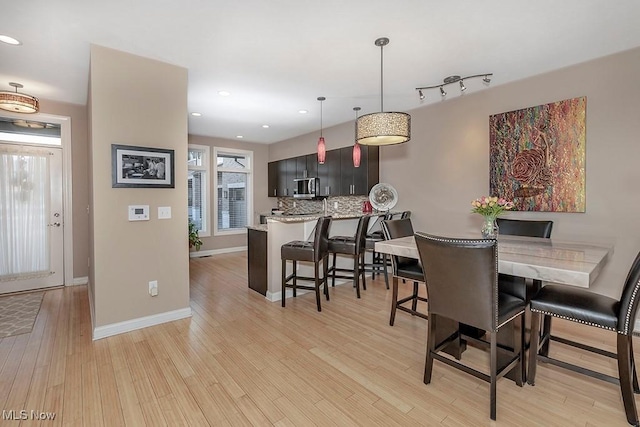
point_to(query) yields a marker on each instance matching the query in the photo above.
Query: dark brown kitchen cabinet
(358, 181)
(272, 179)
(329, 174)
(337, 176)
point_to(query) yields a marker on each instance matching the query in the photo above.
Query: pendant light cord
(382, 78)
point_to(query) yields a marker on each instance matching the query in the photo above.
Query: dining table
(573, 263)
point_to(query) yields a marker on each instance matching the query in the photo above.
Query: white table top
(550, 260)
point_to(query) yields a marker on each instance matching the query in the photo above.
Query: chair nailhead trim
(627, 319)
(575, 320)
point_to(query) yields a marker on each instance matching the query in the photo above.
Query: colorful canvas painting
(537, 156)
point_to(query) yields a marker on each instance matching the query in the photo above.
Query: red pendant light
(322, 149)
(356, 146)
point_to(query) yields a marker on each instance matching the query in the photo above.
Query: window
(234, 194)
(198, 187)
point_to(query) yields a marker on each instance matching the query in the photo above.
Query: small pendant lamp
(356, 147)
(322, 149)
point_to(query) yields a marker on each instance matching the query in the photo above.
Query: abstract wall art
(537, 156)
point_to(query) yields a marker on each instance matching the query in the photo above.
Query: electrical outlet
(335, 205)
(295, 204)
(153, 288)
(280, 204)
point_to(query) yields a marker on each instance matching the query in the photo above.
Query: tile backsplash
(345, 205)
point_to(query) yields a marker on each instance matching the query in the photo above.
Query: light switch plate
(164, 212)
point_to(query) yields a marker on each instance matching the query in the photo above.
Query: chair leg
(362, 272)
(431, 346)
(494, 369)
(375, 259)
(333, 270)
(414, 303)
(546, 330)
(384, 266)
(624, 372)
(519, 346)
(325, 279)
(283, 289)
(394, 301)
(295, 277)
(316, 271)
(533, 347)
(356, 276)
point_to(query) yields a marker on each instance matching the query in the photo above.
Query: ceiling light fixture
(383, 128)
(356, 147)
(265, 126)
(224, 93)
(196, 114)
(18, 102)
(322, 148)
(453, 79)
(9, 40)
(303, 111)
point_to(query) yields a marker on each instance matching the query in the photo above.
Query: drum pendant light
(356, 147)
(383, 128)
(322, 149)
(18, 102)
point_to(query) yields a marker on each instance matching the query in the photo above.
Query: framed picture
(538, 154)
(142, 167)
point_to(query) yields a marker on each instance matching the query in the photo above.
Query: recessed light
(303, 111)
(194, 114)
(265, 126)
(239, 136)
(224, 93)
(9, 40)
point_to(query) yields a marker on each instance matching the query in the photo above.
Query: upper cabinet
(337, 176)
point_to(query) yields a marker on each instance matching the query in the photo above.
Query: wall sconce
(453, 79)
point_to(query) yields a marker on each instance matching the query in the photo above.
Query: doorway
(32, 231)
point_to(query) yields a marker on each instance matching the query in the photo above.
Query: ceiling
(276, 57)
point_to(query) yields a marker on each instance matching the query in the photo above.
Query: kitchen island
(265, 241)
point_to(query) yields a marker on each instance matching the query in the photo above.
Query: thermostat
(138, 212)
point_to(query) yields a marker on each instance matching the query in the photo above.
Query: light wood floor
(241, 360)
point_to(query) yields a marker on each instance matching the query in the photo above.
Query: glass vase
(489, 228)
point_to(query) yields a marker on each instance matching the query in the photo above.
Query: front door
(31, 218)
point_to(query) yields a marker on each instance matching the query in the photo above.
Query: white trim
(200, 254)
(65, 135)
(77, 281)
(636, 326)
(139, 323)
(249, 189)
(206, 169)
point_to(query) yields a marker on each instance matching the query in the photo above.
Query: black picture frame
(142, 167)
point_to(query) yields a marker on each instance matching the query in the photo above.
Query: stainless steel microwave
(305, 188)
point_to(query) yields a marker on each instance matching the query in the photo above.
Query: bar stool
(315, 251)
(354, 246)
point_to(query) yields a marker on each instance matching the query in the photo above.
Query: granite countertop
(315, 216)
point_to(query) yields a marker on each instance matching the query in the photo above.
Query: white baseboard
(77, 281)
(142, 322)
(198, 254)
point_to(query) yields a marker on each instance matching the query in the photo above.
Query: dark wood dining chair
(519, 286)
(588, 308)
(405, 269)
(462, 283)
(316, 251)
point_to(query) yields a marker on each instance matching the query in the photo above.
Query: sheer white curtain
(24, 237)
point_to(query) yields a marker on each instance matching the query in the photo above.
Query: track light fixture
(453, 79)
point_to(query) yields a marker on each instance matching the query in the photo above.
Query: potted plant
(194, 239)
